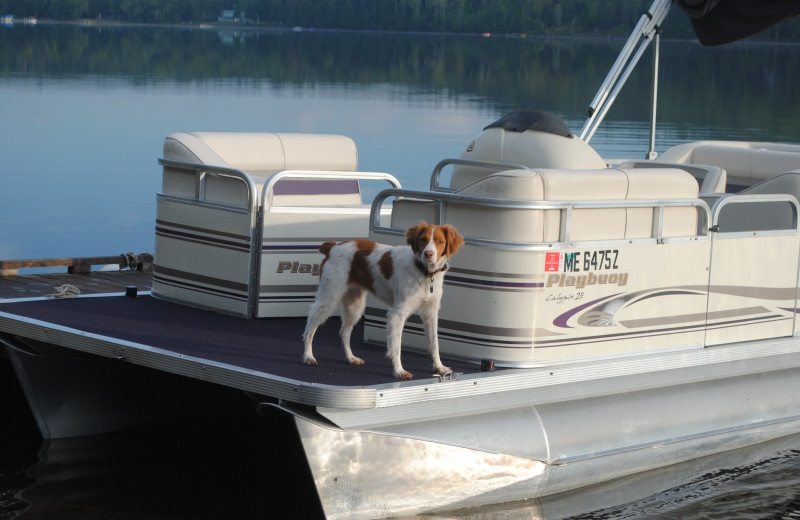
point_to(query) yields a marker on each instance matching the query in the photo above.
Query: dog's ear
(454, 239)
(412, 233)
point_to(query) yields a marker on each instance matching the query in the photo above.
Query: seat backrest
(263, 153)
(532, 149)
(543, 225)
(712, 179)
(746, 163)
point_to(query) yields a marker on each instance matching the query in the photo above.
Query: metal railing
(566, 208)
(489, 165)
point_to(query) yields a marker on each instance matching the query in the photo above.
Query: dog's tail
(325, 248)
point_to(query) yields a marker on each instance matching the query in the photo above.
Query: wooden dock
(136, 270)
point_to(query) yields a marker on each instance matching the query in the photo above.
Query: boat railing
(490, 166)
(441, 201)
(255, 193)
(201, 177)
(735, 216)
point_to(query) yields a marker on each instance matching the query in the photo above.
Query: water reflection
(754, 483)
(740, 86)
(236, 470)
(225, 468)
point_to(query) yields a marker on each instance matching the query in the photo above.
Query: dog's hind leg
(353, 304)
(319, 311)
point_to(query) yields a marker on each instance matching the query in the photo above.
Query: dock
(78, 275)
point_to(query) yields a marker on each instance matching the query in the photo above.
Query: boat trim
(564, 460)
(657, 366)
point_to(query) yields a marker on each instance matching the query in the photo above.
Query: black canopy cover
(717, 22)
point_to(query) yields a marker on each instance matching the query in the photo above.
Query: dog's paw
(403, 375)
(443, 370)
(355, 361)
(309, 360)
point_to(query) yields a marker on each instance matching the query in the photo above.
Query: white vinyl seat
(544, 225)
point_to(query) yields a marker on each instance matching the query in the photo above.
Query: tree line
(529, 17)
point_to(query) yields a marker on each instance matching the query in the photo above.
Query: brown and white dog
(407, 278)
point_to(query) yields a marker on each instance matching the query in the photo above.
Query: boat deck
(257, 355)
(96, 282)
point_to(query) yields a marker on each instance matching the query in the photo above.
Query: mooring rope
(65, 291)
(128, 260)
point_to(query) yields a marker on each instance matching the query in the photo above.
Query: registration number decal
(582, 261)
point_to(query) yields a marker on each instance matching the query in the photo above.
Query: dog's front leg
(430, 321)
(394, 337)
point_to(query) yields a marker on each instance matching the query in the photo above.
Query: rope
(65, 291)
(128, 260)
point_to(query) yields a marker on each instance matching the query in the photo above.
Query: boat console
(556, 261)
(572, 264)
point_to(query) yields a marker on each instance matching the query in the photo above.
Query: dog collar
(429, 274)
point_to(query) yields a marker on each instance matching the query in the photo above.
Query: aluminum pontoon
(602, 320)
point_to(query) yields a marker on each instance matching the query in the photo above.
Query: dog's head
(431, 244)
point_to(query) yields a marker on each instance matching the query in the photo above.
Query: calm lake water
(84, 114)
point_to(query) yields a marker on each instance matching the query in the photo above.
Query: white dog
(407, 278)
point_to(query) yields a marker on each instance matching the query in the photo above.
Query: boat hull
(72, 394)
(540, 450)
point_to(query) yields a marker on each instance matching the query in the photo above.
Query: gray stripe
(202, 230)
(470, 328)
(761, 293)
(689, 318)
(208, 280)
(492, 288)
(285, 289)
(243, 249)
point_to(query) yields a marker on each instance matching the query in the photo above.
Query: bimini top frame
(646, 30)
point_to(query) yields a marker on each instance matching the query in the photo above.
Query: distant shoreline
(223, 26)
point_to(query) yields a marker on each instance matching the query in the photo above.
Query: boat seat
(712, 179)
(261, 154)
(536, 225)
(238, 229)
(746, 163)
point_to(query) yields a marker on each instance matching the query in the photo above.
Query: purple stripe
(561, 321)
(493, 283)
(316, 187)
